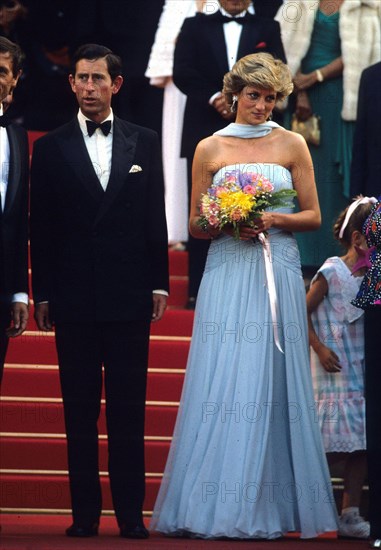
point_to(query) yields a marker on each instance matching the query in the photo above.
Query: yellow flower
(237, 201)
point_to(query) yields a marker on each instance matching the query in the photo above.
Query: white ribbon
(271, 286)
(352, 208)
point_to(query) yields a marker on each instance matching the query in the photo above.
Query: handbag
(309, 129)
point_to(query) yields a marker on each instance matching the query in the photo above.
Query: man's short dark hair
(96, 51)
(14, 50)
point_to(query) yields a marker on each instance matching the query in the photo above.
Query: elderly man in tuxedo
(100, 274)
(14, 161)
(206, 49)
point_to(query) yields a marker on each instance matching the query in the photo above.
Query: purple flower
(244, 179)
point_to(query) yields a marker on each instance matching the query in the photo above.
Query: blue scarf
(247, 130)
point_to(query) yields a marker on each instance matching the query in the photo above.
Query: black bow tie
(225, 19)
(92, 126)
(4, 121)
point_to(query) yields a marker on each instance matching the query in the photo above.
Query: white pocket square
(135, 168)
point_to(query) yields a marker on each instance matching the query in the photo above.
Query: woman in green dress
(327, 45)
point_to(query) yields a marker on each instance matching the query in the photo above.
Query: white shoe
(375, 543)
(353, 526)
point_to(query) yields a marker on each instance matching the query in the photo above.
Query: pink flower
(249, 189)
(268, 187)
(213, 221)
(264, 185)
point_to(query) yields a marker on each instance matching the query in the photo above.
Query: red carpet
(33, 463)
(39, 532)
(34, 493)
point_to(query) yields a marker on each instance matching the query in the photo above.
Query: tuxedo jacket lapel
(250, 37)
(216, 37)
(123, 153)
(74, 150)
(14, 173)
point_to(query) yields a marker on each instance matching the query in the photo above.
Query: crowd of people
(255, 433)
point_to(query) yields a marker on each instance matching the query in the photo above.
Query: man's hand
(159, 306)
(20, 316)
(41, 315)
(223, 108)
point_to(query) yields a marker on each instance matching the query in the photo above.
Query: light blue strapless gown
(246, 458)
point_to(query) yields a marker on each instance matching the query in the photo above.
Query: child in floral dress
(336, 334)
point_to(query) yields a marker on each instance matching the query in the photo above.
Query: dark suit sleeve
(20, 280)
(359, 164)
(42, 240)
(156, 225)
(275, 46)
(186, 65)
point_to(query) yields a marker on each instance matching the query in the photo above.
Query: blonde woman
(246, 460)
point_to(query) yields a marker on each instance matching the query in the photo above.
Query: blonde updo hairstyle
(260, 70)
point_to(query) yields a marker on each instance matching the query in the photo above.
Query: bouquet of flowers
(238, 198)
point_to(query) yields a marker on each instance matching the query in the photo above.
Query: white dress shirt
(232, 33)
(99, 148)
(4, 173)
(4, 165)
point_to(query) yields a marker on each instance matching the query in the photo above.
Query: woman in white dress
(247, 459)
(159, 71)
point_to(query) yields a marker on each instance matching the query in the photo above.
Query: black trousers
(122, 348)
(373, 415)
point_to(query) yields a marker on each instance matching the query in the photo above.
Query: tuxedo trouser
(373, 415)
(122, 348)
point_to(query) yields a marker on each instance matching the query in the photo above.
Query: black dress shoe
(78, 530)
(134, 532)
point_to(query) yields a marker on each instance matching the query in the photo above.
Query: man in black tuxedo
(100, 273)
(206, 49)
(14, 162)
